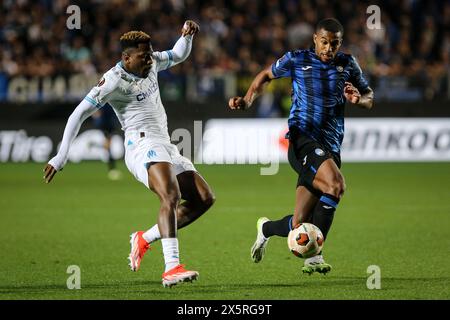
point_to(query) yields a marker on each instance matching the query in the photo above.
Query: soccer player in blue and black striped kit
(322, 80)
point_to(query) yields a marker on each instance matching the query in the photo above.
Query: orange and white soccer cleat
(178, 274)
(138, 248)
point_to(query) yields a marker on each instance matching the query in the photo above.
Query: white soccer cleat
(316, 264)
(178, 274)
(259, 247)
(138, 248)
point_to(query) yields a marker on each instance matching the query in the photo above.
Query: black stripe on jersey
(317, 99)
(309, 93)
(326, 84)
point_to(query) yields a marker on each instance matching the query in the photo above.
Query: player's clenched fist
(190, 28)
(237, 103)
(351, 93)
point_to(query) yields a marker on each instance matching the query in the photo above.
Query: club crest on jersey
(340, 68)
(101, 82)
(319, 152)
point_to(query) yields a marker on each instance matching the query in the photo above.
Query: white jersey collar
(133, 77)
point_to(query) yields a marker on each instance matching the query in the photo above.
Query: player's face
(327, 44)
(139, 60)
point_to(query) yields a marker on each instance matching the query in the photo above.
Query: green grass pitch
(395, 216)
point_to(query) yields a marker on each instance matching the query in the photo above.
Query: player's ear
(125, 57)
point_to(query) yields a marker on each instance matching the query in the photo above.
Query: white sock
(170, 250)
(152, 234)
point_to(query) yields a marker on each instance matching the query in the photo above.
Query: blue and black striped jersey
(318, 93)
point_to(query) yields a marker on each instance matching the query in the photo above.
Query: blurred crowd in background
(239, 36)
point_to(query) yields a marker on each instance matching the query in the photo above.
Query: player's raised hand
(351, 93)
(49, 173)
(237, 103)
(190, 28)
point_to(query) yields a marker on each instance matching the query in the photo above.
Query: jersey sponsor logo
(101, 82)
(306, 68)
(151, 90)
(319, 152)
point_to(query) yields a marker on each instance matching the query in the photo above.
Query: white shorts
(140, 152)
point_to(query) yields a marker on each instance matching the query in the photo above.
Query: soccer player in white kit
(131, 88)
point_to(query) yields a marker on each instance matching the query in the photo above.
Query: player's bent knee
(344, 188)
(171, 199)
(336, 187)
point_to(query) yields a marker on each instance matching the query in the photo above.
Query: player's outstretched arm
(81, 113)
(182, 48)
(253, 92)
(180, 51)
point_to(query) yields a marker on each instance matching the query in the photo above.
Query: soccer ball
(305, 240)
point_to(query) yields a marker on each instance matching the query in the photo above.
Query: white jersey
(136, 101)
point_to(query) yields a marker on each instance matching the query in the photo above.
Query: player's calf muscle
(208, 199)
(203, 197)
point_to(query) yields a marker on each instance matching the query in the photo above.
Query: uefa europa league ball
(305, 240)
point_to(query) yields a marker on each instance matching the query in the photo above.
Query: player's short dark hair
(331, 25)
(132, 39)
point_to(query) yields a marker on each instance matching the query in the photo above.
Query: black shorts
(305, 156)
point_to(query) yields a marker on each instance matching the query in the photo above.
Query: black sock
(279, 228)
(324, 213)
